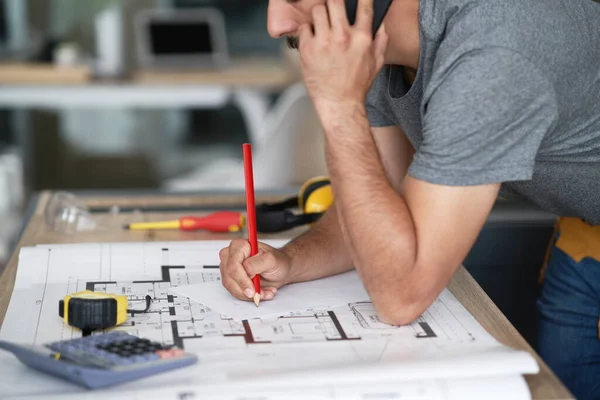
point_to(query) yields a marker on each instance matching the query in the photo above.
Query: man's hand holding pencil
(250, 271)
(238, 267)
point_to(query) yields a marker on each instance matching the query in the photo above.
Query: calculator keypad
(114, 349)
(129, 348)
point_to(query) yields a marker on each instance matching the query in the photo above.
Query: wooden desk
(544, 385)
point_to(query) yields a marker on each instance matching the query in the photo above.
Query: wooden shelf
(263, 73)
(266, 73)
(43, 74)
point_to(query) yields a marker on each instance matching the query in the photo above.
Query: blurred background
(159, 95)
(146, 94)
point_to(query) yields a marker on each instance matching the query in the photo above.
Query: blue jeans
(569, 308)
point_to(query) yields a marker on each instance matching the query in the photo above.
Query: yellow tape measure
(89, 310)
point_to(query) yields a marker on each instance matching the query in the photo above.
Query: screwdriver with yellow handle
(222, 221)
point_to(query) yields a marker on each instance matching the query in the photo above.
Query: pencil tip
(126, 227)
(256, 299)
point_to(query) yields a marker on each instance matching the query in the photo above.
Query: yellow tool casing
(316, 197)
(92, 310)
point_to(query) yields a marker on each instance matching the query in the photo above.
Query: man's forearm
(375, 220)
(320, 251)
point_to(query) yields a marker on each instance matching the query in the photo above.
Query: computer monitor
(181, 39)
(3, 26)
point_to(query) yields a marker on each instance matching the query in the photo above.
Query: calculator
(102, 360)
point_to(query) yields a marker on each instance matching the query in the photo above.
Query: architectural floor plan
(344, 335)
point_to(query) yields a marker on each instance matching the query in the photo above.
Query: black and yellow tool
(314, 198)
(90, 311)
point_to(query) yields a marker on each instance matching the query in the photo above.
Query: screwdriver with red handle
(222, 221)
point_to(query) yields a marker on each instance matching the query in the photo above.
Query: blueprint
(349, 340)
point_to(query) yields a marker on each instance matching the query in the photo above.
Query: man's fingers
(239, 250)
(233, 274)
(320, 20)
(305, 31)
(262, 263)
(338, 15)
(264, 246)
(240, 277)
(267, 293)
(223, 256)
(380, 45)
(237, 269)
(364, 15)
(305, 34)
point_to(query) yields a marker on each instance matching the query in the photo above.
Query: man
(452, 103)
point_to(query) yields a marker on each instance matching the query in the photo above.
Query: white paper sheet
(319, 294)
(444, 345)
(511, 387)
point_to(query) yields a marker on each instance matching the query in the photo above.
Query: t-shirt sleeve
(379, 111)
(485, 116)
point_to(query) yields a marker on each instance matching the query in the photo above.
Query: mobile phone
(380, 9)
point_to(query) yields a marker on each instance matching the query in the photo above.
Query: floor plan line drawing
(181, 320)
(178, 320)
(435, 314)
(425, 327)
(43, 295)
(461, 324)
(368, 319)
(164, 305)
(427, 331)
(348, 335)
(337, 324)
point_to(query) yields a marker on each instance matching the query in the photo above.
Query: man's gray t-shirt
(506, 91)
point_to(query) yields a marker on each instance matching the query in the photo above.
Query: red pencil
(251, 214)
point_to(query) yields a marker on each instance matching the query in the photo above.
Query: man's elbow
(399, 312)
(396, 306)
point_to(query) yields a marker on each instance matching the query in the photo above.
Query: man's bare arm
(404, 246)
(321, 251)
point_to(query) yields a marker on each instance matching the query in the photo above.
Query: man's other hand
(339, 61)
